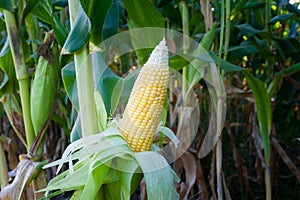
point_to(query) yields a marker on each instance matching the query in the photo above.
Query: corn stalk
(21, 73)
(84, 81)
(185, 30)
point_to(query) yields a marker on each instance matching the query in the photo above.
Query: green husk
(44, 85)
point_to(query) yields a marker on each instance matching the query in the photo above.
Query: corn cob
(143, 110)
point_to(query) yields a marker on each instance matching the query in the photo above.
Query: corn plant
(120, 121)
(28, 99)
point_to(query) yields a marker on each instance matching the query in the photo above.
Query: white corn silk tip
(159, 56)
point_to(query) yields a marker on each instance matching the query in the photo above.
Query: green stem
(267, 157)
(268, 183)
(227, 29)
(219, 169)
(185, 31)
(84, 81)
(21, 73)
(267, 14)
(221, 33)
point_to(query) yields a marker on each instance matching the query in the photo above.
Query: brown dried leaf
(259, 171)
(286, 159)
(39, 183)
(207, 13)
(234, 92)
(203, 193)
(143, 193)
(257, 138)
(226, 190)
(189, 164)
(212, 176)
(25, 170)
(12, 149)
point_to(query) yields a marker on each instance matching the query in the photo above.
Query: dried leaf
(235, 92)
(286, 159)
(207, 13)
(24, 171)
(226, 190)
(189, 164)
(212, 176)
(257, 139)
(203, 193)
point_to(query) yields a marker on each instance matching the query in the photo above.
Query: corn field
(149, 99)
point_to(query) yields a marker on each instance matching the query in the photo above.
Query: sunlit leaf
(263, 109)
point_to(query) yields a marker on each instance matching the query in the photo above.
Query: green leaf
(27, 8)
(227, 66)
(248, 30)
(43, 11)
(110, 87)
(97, 10)
(263, 108)
(143, 13)
(158, 175)
(111, 23)
(238, 7)
(177, 62)
(59, 30)
(67, 181)
(79, 33)
(76, 132)
(291, 70)
(128, 179)
(127, 86)
(96, 177)
(105, 80)
(251, 5)
(282, 18)
(101, 112)
(77, 194)
(9, 84)
(69, 80)
(90, 172)
(194, 75)
(6, 4)
(169, 133)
